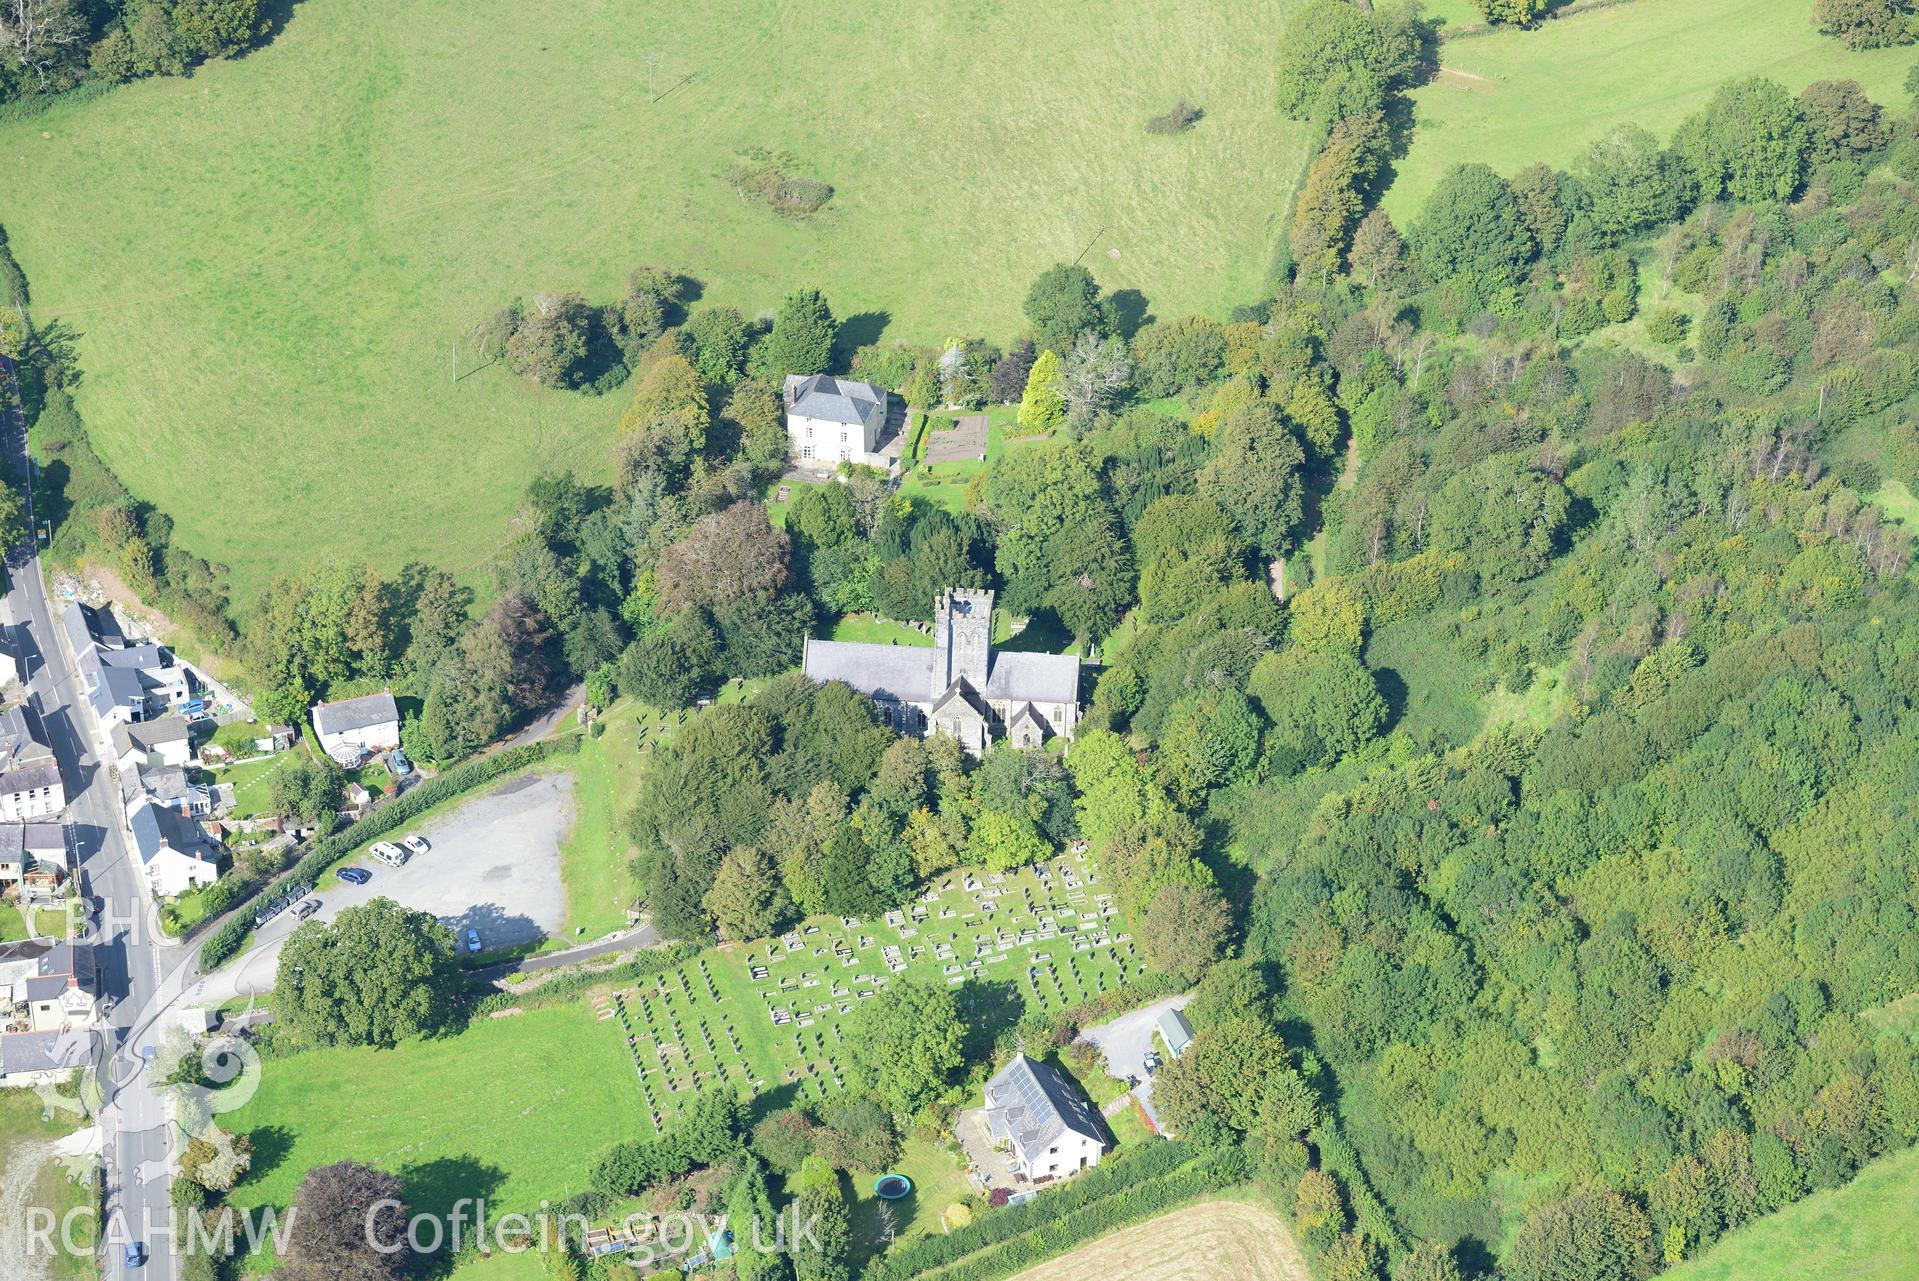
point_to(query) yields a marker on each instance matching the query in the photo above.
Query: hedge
(566, 987)
(1337, 1157)
(1005, 1241)
(233, 932)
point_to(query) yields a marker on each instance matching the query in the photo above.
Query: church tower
(962, 638)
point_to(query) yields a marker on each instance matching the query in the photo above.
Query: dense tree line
(50, 46)
(1619, 945)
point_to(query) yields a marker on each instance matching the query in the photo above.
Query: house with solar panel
(837, 420)
(961, 686)
(1051, 1129)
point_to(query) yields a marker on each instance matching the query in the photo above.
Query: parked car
(135, 1254)
(401, 765)
(472, 940)
(417, 844)
(387, 852)
(307, 908)
(354, 875)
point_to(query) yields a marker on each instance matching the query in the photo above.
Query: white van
(388, 853)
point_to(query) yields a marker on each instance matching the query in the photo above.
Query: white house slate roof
(20, 741)
(149, 734)
(355, 713)
(1032, 1104)
(903, 673)
(45, 1051)
(834, 400)
(30, 778)
(44, 841)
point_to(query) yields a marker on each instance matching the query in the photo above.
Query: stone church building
(961, 686)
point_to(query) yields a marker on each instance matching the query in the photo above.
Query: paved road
(134, 967)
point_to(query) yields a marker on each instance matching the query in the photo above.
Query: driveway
(494, 867)
(1128, 1039)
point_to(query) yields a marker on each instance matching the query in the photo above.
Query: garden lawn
(265, 312)
(513, 1109)
(595, 861)
(252, 783)
(1863, 1231)
(939, 1180)
(13, 926)
(1515, 97)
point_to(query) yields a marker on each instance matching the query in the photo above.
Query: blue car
(354, 875)
(136, 1254)
(472, 940)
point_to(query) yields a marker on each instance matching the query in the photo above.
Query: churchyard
(772, 1015)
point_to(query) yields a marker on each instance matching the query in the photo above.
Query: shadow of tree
(271, 1143)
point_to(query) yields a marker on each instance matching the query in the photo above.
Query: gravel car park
(495, 869)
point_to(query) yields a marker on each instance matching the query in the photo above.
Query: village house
(162, 741)
(960, 686)
(49, 1002)
(171, 849)
(836, 420)
(125, 681)
(354, 728)
(33, 859)
(1051, 1129)
(30, 785)
(47, 985)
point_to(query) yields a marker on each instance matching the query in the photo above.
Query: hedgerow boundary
(1114, 1194)
(233, 932)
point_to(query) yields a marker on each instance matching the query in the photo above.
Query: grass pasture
(513, 1108)
(1513, 97)
(1863, 1231)
(264, 312)
(1216, 1240)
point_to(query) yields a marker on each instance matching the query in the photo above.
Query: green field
(1515, 97)
(264, 309)
(513, 1109)
(1864, 1231)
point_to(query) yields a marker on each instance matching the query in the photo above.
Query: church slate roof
(903, 673)
(1033, 678)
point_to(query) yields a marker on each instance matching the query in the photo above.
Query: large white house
(1051, 1128)
(356, 727)
(836, 420)
(30, 785)
(959, 686)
